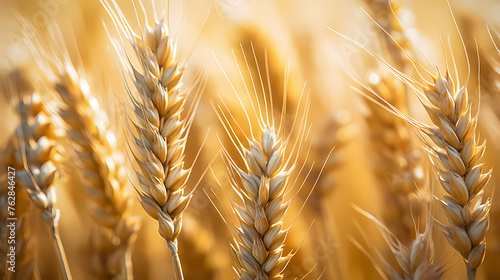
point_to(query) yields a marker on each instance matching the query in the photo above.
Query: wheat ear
(393, 35)
(262, 185)
(336, 132)
(259, 237)
(38, 150)
(415, 259)
(258, 250)
(15, 84)
(103, 174)
(396, 164)
(457, 155)
(159, 130)
(458, 161)
(460, 168)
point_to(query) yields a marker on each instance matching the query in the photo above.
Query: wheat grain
(159, 129)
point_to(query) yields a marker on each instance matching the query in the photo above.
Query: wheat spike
(415, 259)
(394, 37)
(259, 247)
(457, 157)
(159, 130)
(103, 174)
(336, 130)
(38, 152)
(460, 168)
(15, 83)
(263, 183)
(396, 161)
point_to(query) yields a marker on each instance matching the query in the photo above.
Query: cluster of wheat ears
(254, 169)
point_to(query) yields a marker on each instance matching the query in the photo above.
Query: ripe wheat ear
(39, 142)
(156, 124)
(456, 154)
(262, 185)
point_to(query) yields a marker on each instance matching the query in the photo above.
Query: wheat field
(233, 139)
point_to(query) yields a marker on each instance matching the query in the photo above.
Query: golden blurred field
(377, 164)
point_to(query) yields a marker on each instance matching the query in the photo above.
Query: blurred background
(294, 35)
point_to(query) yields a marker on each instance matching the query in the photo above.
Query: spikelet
(159, 129)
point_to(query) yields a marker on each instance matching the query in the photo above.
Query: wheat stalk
(159, 130)
(38, 151)
(103, 175)
(457, 155)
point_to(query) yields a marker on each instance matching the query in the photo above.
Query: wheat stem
(176, 262)
(471, 273)
(61, 255)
